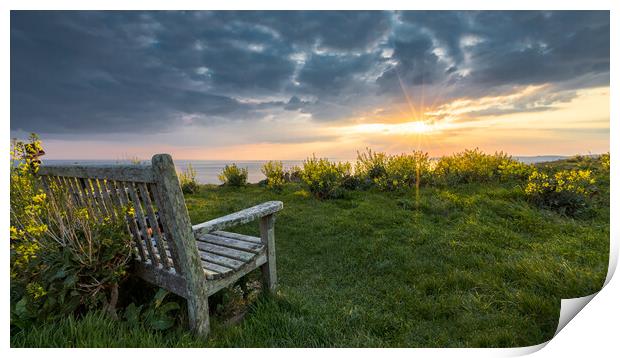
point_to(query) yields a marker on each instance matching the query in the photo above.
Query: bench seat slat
(217, 269)
(225, 251)
(220, 260)
(231, 243)
(234, 235)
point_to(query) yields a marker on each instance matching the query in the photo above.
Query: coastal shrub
(188, 181)
(370, 166)
(274, 171)
(293, 174)
(81, 264)
(566, 191)
(511, 169)
(234, 176)
(605, 162)
(323, 178)
(469, 166)
(351, 182)
(63, 260)
(27, 203)
(404, 171)
(391, 172)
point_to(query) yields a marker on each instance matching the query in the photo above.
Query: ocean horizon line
(208, 170)
(288, 160)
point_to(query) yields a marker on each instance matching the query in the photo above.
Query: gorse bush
(63, 260)
(371, 166)
(85, 261)
(566, 191)
(391, 172)
(605, 162)
(293, 174)
(323, 178)
(27, 201)
(409, 169)
(469, 166)
(511, 169)
(234, 176)
(404, 171)
(275, 174)
(187, 179)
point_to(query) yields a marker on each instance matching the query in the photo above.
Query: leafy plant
(370, 166)
(391, 172)
(234, 176)
(157, 315)
(323, 178)
(605, 161)
(511, 169)
(27, 203)
(188, 181)
(274, 172)
(404, 171)
(293, 174)
(566, 191)
(469, 166)
(62, 258)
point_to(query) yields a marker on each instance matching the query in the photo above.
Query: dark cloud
(334, 30)
(328, 75)
(295, 104)
(523, 47)
(415, 64)
(444, 26)
(126, 71)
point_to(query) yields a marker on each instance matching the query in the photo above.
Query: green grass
(467, 266)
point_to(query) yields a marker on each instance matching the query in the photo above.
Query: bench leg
(267, 236)
(198, 312)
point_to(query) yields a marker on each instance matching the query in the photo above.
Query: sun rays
(414, 127)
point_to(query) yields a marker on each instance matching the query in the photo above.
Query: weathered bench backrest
(110, 190)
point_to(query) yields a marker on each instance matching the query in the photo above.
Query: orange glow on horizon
(579, 125)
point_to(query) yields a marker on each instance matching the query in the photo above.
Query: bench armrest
(238, 218)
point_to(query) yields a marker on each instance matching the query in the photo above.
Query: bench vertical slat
(161, 249)
(77, 193)
(47, 186)
(113, 193)
(120, 209)
(72, 188)
(179, 223)
(137, 205)
(80, 182)
(105, 195)
(98, 197)
(54, 184)
(45, 183)
(133, 227)
(168, 236)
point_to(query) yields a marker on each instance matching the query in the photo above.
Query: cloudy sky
(282, 85)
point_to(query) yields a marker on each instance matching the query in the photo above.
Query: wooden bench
(192, 261)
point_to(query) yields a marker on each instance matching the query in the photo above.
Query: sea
(207, 171)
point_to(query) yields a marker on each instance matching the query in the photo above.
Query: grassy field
(466, 266)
